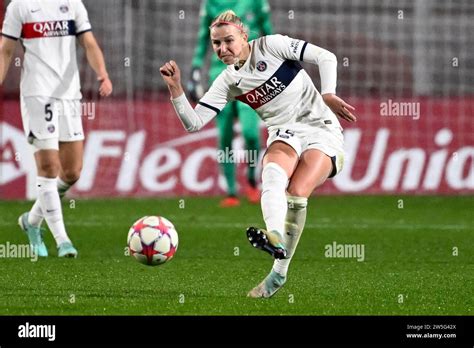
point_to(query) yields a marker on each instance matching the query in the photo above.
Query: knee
(71, 175)
(48, 169)
(298, 191)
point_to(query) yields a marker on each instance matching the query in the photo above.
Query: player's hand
(105, 88)
(194, 86)
(339, 107)
(171, 74)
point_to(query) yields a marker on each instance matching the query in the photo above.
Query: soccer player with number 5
(305, 143)
(50, 102)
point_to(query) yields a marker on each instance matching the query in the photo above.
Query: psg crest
(64, 8)
(261, 66)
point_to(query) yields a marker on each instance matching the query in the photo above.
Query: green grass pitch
(419, 260)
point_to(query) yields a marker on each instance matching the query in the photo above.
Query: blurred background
(407, 67)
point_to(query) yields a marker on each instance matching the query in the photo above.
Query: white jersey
(48, 31)
(275, 85)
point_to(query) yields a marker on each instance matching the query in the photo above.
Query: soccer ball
(152, 240)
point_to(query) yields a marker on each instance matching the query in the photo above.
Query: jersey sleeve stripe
(82, 32)
(302, 51)
(10, 37)
(216, 110)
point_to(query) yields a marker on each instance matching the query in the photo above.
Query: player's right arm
(7, 49)
(208, 107)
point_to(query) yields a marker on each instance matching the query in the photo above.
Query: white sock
(273, 199)
(48, 197)
(63, 187)
(295, 220)
(35, 217)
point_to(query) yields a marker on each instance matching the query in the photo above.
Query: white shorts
(48, 121)
(302, 137)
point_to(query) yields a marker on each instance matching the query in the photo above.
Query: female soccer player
(50, 103)
(258, 22)
(305, 143)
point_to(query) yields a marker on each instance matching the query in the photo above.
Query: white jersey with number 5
(48, 31)
(274, 84)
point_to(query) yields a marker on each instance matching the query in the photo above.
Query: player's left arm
(294, 49)
(94, 54)
(7, 49)
(96, 60)
(327, 63)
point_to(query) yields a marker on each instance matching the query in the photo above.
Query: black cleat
(271, 242)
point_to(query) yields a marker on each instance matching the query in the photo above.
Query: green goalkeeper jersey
(255, 14)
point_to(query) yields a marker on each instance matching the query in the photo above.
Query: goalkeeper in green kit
(256, 14)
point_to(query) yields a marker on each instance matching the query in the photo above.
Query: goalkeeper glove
(195, 88)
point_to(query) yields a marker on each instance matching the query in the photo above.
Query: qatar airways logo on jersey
(266, 92)
(48, 29)
(273, 87)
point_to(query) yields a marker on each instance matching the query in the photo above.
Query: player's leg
(279, 162)
(65, 117)
(249, 122)
(71, 158)
(47, 166)
(71, 151)
(312, 171)
(70, 155)
(71, 136)
(225, 123)
(40, 124)
(313, 168)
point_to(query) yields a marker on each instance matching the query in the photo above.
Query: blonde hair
(229, 17)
